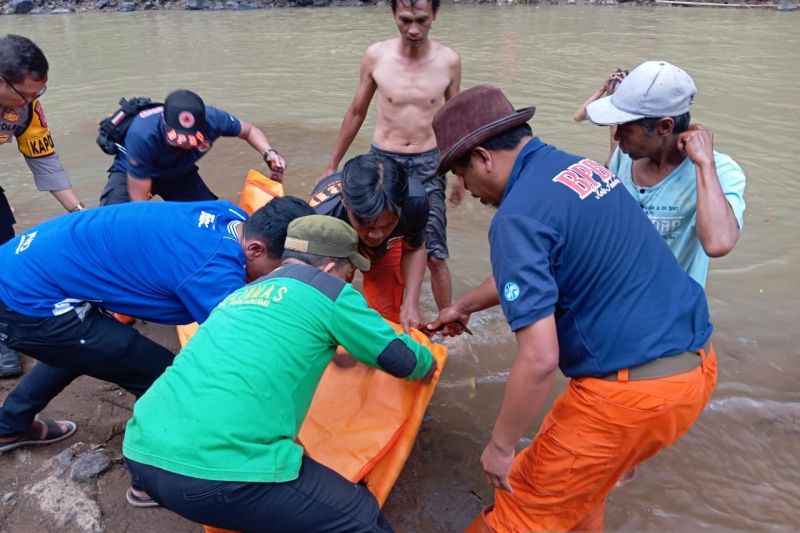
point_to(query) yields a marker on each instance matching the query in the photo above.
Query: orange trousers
(384, 284)
(595, 432)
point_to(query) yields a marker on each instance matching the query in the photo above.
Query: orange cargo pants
(595, 432)
(384, 284)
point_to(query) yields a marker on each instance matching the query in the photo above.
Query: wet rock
(36, 11)
(61, 11)
(69, 505)
(304, 3)
(66, 458)
(101, 4)
(195, 5)
(150, 5)
(8, 496)
(20, 7)
(128, 6)
(321, 3)
(89, 465)
(786, 5)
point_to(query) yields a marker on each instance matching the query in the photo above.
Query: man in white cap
(691, 193)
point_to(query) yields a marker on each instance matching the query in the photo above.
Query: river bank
(63, 7)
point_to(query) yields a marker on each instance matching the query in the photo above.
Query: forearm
(68, 199)
(413, 267)
(257, 139)
(351, 123)
(529, 384)
(717, 227)
(139, 188)
(481, 297)
(580, 113)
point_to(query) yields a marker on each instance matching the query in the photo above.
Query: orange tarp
(362, 422)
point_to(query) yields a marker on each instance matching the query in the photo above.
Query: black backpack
(112, 130)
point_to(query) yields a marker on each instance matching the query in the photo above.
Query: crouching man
(215, 438)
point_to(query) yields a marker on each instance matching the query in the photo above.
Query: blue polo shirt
(150, 156)
(569, 240)
(165, 262)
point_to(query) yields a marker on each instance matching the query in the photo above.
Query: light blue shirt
(672, 205)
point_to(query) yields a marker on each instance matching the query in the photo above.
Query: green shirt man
(230, 408)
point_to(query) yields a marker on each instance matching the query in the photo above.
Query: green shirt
(232, 403)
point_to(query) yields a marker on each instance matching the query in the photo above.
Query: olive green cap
(325, 236)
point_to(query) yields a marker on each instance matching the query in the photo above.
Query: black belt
(661, 367)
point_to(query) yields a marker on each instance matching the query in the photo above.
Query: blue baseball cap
(653, 89)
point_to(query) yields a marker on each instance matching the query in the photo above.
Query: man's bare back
(409, 92)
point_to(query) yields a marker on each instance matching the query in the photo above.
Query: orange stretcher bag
(362, 422)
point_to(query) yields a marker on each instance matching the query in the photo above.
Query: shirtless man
(413, 77)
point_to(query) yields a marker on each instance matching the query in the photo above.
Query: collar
(531, 147)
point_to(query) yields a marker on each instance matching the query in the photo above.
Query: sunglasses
(26, 98)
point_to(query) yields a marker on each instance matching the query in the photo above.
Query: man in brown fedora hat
(412, 76)
(576, 267)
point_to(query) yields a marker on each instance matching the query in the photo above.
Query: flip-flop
(30, 438)
(139, 501)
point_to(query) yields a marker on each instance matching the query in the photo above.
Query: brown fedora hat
(472, 117)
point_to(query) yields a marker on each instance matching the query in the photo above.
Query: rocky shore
(59, 7)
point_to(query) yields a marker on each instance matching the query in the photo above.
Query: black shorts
(188, 188)
(422, 167)
(7, 219)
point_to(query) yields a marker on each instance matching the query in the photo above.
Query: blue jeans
(318, 501)
(81, 341)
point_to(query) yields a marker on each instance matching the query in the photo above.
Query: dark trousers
(81, 341)
(6, 219)
(318, 501)
(188, 188)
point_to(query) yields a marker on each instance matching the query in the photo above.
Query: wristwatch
(266, 154)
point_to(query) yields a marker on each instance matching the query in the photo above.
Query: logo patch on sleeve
(40, 145)
(511, 291)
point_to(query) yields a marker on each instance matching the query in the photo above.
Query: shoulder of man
(725, 163)
(145, 123)
(34, 138)
(329, 285)
(326, 196)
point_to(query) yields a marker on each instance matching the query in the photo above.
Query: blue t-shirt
(672, 205)
(148, 155)
(568, 240)
(165, 262)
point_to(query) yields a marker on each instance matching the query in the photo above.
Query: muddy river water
(293, 72)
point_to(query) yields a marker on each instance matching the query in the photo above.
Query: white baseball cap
(653, 89)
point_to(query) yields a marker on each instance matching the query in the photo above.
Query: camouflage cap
(325, 236)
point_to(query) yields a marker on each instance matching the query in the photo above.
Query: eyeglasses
(27, 99)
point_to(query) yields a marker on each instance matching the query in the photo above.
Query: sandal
(54, 433)
(140, 501)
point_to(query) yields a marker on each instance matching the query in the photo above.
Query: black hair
(269, 222)
(434, 4)
(508, 140)
(371, 184)
(20, 57)
(681, 123)
(318, 261)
